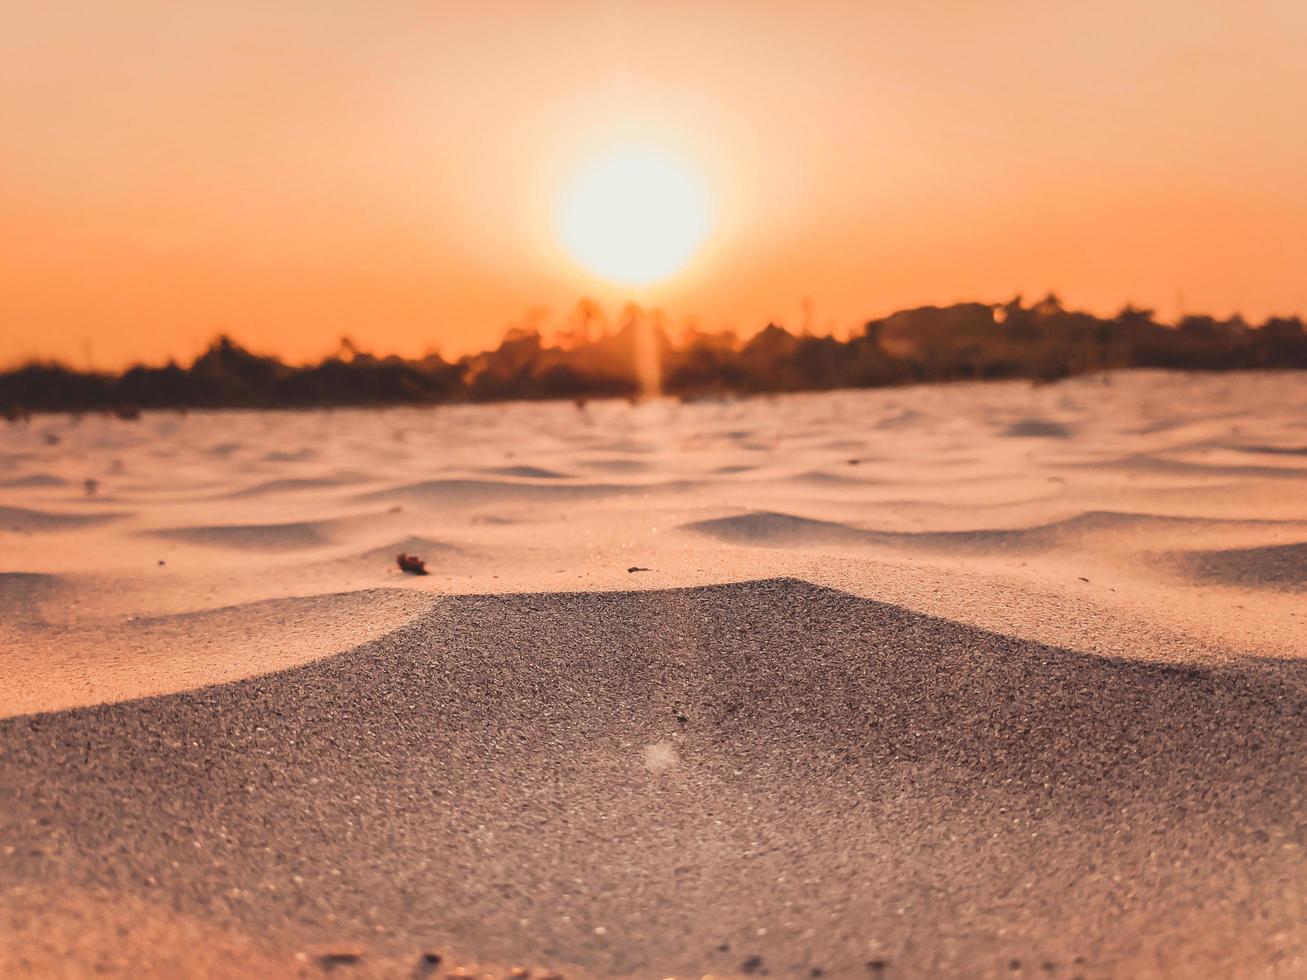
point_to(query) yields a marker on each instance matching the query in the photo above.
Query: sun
(634, 215)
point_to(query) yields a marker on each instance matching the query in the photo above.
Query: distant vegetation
(590, 357)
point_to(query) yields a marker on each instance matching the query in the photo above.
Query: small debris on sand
(90, 485)
(752, 965)
(428, 961)
(411, 564)
(334, 956)
(637, 568)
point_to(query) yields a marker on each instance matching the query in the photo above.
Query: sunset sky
(289, 172)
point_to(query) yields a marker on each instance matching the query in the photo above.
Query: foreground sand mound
(763, 776)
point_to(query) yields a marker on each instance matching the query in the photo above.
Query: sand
(969, 680)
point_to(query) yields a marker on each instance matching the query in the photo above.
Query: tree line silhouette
(589, 356)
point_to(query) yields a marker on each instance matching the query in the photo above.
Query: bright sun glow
(635, 215)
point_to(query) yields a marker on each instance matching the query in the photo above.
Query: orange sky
(292, 171)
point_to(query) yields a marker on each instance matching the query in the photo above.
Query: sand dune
(295, 456)
(829, 478)
(466, 492)
(34, 480)
(526, 472)
(1282, 566)
(22, 594)
(666, 782)
(251, 537)
(617, 465)
(1180, 467)
(149, 655)
(269, 488)
(1093, 527)
(769, 528)
(26, 519)
(289, 536)
(940, 679)
(1274, 450)
(1037, 428)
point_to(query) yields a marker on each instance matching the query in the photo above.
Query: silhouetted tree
(587, 358)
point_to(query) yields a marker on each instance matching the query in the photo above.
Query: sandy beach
(967, 680)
